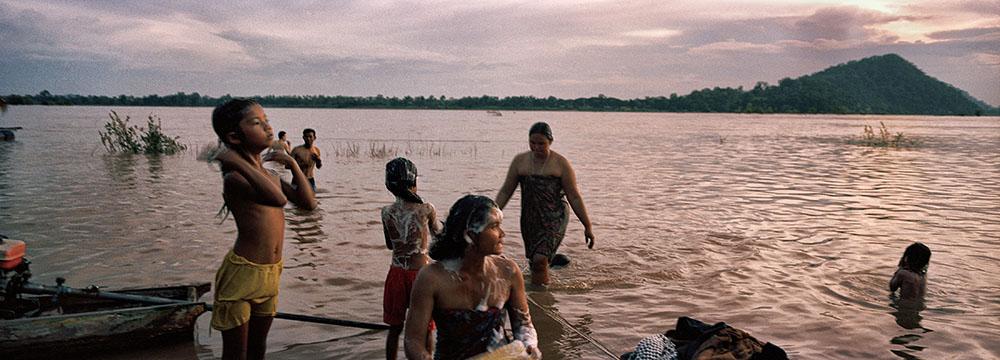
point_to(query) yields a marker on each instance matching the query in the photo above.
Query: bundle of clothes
(695, 340)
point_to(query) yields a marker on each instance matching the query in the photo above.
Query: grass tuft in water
(349, 150)
(120, 137)
(383, 150)
(884, 138)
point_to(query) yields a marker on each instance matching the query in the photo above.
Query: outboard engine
(11, 253)
(14, 271)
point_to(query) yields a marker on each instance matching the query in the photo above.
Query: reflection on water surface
(781, 229)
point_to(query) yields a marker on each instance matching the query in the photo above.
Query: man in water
(308, 156)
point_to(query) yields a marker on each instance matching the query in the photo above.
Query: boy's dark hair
(281, 134)
(467, 212)
(541, 128)
(916, 257)
(400, 176)
(226, 117)
(308, 130)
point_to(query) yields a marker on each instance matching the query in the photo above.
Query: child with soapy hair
(408, 225)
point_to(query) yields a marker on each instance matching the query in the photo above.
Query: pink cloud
(843, 23)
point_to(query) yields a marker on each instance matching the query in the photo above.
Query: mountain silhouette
(886, 84)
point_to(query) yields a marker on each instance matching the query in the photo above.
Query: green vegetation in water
(120, 137)
(884, 138)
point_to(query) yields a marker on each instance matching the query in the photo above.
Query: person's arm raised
(509, 185)
(301, 194)
(576, 201)
(316, 157)
(249, 181)
(419, 315)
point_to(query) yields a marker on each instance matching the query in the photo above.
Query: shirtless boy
(307, 156)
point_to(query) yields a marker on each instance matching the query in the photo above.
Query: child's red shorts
(396, 296)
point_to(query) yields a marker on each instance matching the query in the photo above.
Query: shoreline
(527, 110)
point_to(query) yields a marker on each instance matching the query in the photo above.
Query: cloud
(457, 48)
(989, 60)
(843, 24)
(653, 33)
(176, 42)
(732, 46)
(30, 34)
(944, 9)
(970, 33)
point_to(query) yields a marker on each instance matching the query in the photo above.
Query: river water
(775, 224)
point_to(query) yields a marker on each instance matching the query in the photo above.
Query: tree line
(885, 84)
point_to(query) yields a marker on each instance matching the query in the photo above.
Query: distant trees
(886, 84)
(178, 99)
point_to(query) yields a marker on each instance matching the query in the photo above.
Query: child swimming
(911, 275)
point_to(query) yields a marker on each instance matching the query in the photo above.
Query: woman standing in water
(545, 177)
(470, 290)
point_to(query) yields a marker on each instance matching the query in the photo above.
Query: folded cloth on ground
(655, 347)
(695, 340)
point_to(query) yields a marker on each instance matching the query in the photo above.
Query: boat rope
(322, 320)
(94, 292)
(562, 321)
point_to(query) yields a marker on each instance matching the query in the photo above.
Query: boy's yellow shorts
(242, 289)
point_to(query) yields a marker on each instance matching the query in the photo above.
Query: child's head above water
(916, 257)
(226, 118)
(401, 179)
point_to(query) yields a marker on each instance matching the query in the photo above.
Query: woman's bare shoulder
(521, 157)
(561, 159)
(505, 264)
(521, 162)
(433, 271)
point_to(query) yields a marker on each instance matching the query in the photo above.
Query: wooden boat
(65, 324)
(41, 321)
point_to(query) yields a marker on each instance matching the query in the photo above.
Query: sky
(561, 48)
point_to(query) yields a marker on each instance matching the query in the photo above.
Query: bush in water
(119, 137)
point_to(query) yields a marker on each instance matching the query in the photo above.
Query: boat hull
(104, 325)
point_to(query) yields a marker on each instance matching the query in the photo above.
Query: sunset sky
(562, 48)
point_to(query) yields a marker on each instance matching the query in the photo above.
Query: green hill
(886, 84)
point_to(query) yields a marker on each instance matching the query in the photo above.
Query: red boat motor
(14, 271)
(11, 253)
